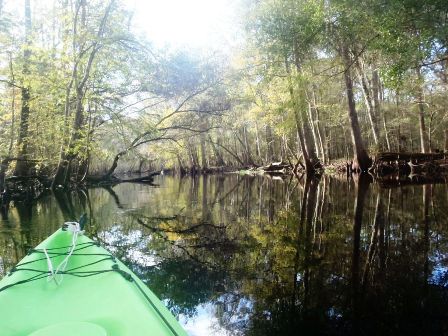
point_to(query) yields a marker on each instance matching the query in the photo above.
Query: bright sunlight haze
(198, 24)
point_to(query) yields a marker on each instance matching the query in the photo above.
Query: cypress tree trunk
(308, 165)
(218, 157)
(319, 130)
(306, 140)
(312, 127)
(424, 139)
(445, 134)
(309, 143)
(377, 105)
(369, 102)
(257, 142)
(361, 160)
(269, 144)
(23, 166)
(203, 152)
(247, 147)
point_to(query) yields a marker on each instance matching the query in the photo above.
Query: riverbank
(388, 169)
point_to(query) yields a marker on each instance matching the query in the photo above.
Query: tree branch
(11, 83)
(227, 150)
(178, 109)
(431, 63)
(186, 128)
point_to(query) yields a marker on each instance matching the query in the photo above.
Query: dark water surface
(242, 255)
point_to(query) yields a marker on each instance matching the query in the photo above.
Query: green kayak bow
(69, 285)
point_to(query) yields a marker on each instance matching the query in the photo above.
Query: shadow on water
(258, 256)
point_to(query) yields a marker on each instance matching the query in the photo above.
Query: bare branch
(141, 101)
(189, 97)
(209, 111)
(11, 83)
(227, 150)
(186, 128)
(162, 138)
(431, 63)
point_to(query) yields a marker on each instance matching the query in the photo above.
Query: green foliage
(241, 110)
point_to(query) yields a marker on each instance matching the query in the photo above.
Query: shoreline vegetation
(388, 170)
(314, 86)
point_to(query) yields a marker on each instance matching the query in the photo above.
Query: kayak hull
(95, 291)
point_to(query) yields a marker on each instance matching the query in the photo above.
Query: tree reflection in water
(268, 256)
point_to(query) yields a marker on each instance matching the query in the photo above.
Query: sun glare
(187, 23)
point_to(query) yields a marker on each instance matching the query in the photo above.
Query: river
(252, 255)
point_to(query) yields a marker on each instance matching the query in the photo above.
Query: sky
(196, 24)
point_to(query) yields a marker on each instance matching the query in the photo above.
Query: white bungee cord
(75, 229)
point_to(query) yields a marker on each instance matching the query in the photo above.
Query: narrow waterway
(245, 255)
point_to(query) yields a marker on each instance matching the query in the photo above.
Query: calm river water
(245, 255)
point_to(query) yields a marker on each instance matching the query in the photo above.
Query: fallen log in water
(112, 179)
(427, 168)
(219, 169)
(276, 168)
(141, 179)
(409, 157)
(409, 163)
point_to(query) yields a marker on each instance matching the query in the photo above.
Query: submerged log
(276, 167)
(112, 179)
(142, 179)
(413, 157)
(219, 169)
(410, 163)
(428, 168)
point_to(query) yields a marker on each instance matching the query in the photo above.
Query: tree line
(83, 95)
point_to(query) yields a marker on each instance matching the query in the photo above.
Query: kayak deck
(95, 291)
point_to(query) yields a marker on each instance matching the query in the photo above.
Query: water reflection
(246, 255)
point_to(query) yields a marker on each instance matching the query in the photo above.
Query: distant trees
(90, 80)
(373, 48)
(317, 81)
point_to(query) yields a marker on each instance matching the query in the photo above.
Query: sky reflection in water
(242, 255)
